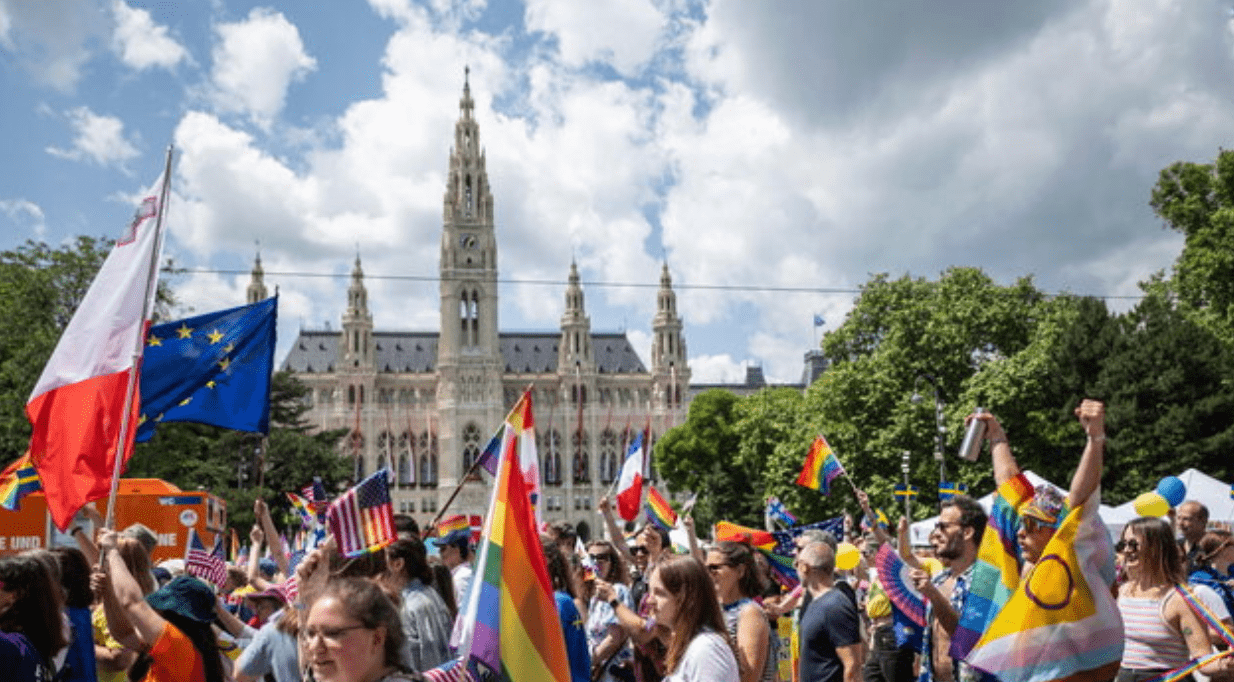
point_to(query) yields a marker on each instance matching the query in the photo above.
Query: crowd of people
(631, 607)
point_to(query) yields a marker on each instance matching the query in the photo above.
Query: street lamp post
(908, 498)
(939, 427)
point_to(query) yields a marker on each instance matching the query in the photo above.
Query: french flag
(630, 483)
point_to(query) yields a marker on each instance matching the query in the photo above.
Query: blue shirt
(576, 638)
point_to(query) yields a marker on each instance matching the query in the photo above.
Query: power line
(754, 288)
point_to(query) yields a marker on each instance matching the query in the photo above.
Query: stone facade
(425, 403)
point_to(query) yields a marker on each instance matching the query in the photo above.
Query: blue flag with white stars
(210, 369)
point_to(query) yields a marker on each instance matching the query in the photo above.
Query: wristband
(1097, 439)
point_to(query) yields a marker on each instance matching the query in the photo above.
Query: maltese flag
(78, 404)
(630, 483)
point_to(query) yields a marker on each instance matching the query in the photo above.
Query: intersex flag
(1062, 622)
(78, 405)
(210, 369)
(362, 519)
(630, 482)
(821, 467)
(658, 510)
(510, 625)
(18, 480)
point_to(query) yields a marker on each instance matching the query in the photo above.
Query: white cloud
(716, 369)
(255, 61)
(622, 33)
(141, 43)
(97, 138)
(51, 40)
(26, 215)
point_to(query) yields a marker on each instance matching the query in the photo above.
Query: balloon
(1172, 489)
(847, 556)
(1151, 504)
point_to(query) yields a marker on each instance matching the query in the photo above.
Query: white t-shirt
(708, 658)
(462, 584)
(1209, 597)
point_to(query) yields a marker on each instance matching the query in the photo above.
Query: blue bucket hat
(186, 596)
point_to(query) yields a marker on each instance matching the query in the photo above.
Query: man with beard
(955, 539)
(1192, 523)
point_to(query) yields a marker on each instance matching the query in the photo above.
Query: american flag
(207, 565)
(362, 519)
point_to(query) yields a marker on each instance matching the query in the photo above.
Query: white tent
(1201, 487)
(919, 532)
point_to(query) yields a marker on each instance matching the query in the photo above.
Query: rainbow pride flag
(821, 467)
(658, 510)
(18, 480)
(511, 628)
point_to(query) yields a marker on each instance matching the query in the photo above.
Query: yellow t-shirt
(102, 637)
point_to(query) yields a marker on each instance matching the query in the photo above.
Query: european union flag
(210, 369)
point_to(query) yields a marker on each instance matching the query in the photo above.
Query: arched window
(552, 459)
(360, 473)
(351, 395)
(582, 457)
(424, 471)
(432, 457)
(471, 450)
(610, 456)
(406, 468)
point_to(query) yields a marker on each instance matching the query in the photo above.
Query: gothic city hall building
(425, 403)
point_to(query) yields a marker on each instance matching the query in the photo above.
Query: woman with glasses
(683, 599)
(353, 633)
(610, 657)
(737, 580)
(1162, 632)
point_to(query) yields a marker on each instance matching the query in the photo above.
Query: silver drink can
(970, 449)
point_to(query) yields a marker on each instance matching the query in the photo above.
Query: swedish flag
(210, 369)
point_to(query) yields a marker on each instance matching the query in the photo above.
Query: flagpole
(474, 466)
(139, 348)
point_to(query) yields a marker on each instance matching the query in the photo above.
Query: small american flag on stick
(207, 565)
(362, 519)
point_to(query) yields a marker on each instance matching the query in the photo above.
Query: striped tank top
(1152, 644)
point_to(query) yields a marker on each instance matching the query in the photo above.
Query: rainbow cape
(1061, 623)
(658, 510)
(510, 624)
(821, 467)
(18, 480)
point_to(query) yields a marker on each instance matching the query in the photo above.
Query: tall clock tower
(469, 392)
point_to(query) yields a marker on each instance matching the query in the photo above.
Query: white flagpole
(130, 393)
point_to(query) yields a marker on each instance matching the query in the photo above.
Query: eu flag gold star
(229, 348)
(184, 331)
(225, 363)
(142, 420)
(154, 341)
(211, 384)
(186, 401)
(215, 336)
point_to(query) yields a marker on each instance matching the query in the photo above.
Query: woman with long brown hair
(683, 599)
(737, 579)
(1162, 632)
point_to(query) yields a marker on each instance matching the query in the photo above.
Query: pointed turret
(668, 346)
(574, 351)
(257, 286)
(357, 323)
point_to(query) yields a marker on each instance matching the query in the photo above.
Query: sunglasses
(1131, 545)
(601, 557)
(942, 526)
(639, 549)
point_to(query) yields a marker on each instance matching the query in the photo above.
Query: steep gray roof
(416, 352)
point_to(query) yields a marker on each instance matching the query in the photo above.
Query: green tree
(1198, 201)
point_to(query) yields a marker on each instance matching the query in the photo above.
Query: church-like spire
(668, 348)
(468, 199)
(257, 286)
(575, 347)
(357, 323)
(357, 294)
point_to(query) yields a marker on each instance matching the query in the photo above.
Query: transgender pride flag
(821, 467)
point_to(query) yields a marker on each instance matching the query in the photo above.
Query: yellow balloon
(847, 556)
(1151, 504)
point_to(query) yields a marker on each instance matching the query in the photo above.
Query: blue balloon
(1173, 490)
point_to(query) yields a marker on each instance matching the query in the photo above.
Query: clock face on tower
(468, 241)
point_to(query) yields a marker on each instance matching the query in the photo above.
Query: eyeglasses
(941, 526)
(639, 549)
(601, 557)
(331, 636)
(715, 568)
(1131, 545)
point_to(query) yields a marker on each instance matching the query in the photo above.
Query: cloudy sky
(774, 154)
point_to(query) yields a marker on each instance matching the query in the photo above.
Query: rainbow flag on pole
(510, 624)
(658, 510)
(18, 480)
(821, 467)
